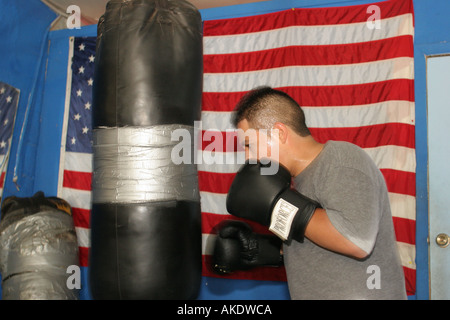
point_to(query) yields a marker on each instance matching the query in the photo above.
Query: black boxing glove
(269, 200)
(237, 247)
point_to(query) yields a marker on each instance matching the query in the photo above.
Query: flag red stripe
(410, 280)
(81, 217)
(77, 180)
(220, 141)
(211, 220)
(358, 94)
(402, 182)
(398, 134)
(83, 256)
(405, 230)
(397, 181)
(2, 179)
(215, 182)
(310, 55)
(303, 17)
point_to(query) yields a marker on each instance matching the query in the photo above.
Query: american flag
(354, 81)
(9, 99)
(76, 160)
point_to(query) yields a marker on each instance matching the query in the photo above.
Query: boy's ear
(283, 131)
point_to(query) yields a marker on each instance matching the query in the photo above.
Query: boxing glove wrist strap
(270, 250)
(291, 214)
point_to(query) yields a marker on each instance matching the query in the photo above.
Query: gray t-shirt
(352, 190)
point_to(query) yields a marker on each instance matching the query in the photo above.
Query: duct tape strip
(135, 164)
(35, 252)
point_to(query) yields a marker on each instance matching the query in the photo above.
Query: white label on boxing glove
(282, 216)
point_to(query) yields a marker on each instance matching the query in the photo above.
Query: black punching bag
(145, 218)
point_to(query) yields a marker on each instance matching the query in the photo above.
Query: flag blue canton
(9, 97)
(79, 129)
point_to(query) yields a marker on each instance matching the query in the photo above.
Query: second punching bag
(145, 218)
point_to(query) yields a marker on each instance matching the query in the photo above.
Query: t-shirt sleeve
(351, 200)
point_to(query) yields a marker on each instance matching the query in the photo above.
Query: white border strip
(66, 117)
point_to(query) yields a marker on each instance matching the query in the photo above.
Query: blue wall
(27, 47)
(24, 28)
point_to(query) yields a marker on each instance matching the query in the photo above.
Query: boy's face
(258, 143)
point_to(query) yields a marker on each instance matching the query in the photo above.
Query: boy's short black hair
(262, 107)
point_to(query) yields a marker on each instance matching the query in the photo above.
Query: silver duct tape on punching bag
(135, 165)
(35, 252)
(145, 216)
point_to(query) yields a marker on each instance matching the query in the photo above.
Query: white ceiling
(91, 10)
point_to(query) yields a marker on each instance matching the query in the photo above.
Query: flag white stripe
(213, 202)
(407, 254)
(4, 160)
(220, 162)
(83, 237)
(308, 35)
(402, 206)
(385, 157)
(326, 75)
(393, 111)
(208, 243)
(229, 162)
(78, 161)
(77, 198)
(360, 115)
(217, 120)
(393, 157)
